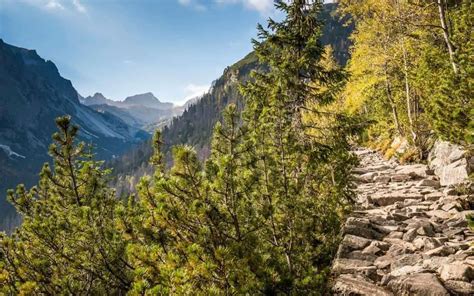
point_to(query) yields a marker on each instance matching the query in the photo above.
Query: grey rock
(361, 227)
(353, 242)
(435, 263)
(439, 214)
(455, 173)
(410, 235)
(434, 196)
(457, 271)
(406, 235)
(460, 288)
(367, 177)
(426, 243)
(441, 251)
(342, 265)
(405, 270)
(450, 191)
(426, 231)
(395, 234)
(384, 261)
(400, 178)
(385, 199)
(450, 162)
(421, 284)
(414, 170)
(382, 179)
(406, 260)
(357, 285)
(451, 205)
(359, 255)
(457, 223)
(429, 183)
(372, 249)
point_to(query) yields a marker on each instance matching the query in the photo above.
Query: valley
(332, 154)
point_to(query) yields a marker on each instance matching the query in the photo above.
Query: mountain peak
(140, 99)
(148, 100)
(99, 96)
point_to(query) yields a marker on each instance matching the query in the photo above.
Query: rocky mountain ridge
(141, 111)
(409, 234)
(32, 95)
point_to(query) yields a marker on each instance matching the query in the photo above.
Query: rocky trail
(407, 236)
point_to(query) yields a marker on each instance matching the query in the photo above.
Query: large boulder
(421, 284)
(348, 284)
(450, 162)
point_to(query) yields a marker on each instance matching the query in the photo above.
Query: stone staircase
(407, 235)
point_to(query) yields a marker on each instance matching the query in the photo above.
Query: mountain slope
(32, 95)
(194, 127)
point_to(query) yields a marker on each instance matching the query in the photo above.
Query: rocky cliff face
(32, 95)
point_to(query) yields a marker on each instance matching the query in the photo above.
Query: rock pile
(450, 162)
(408, 235)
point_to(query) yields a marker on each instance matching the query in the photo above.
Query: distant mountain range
(32, 95)
(142, 111)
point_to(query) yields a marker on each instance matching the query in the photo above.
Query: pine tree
(263, 215)
(196, 231)
(300, 202)
(68, 242)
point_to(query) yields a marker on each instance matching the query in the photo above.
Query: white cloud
(53, 5)
(194, 90)
(262, 6)
(193, 4)
(79, 6)
(57, 5)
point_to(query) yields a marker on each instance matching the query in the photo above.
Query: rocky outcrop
(451, 163)
(407, 236)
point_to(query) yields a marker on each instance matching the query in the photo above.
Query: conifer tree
(264, 213)
(68, 242)
(300, 202)
(196, 231)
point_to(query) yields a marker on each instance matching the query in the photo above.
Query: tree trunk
(388, 88)
(444, 26)
(407, 92)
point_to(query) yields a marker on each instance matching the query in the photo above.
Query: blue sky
(173, 48)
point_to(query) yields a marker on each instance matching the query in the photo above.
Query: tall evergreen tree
(263, 215)
(300, 202)
(68, 242)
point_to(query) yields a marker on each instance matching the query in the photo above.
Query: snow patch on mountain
(93, 122)
(10, 152)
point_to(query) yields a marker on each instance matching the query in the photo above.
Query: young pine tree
(196, 230)
(68, 242)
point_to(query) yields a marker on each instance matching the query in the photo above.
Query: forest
(262, 214)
